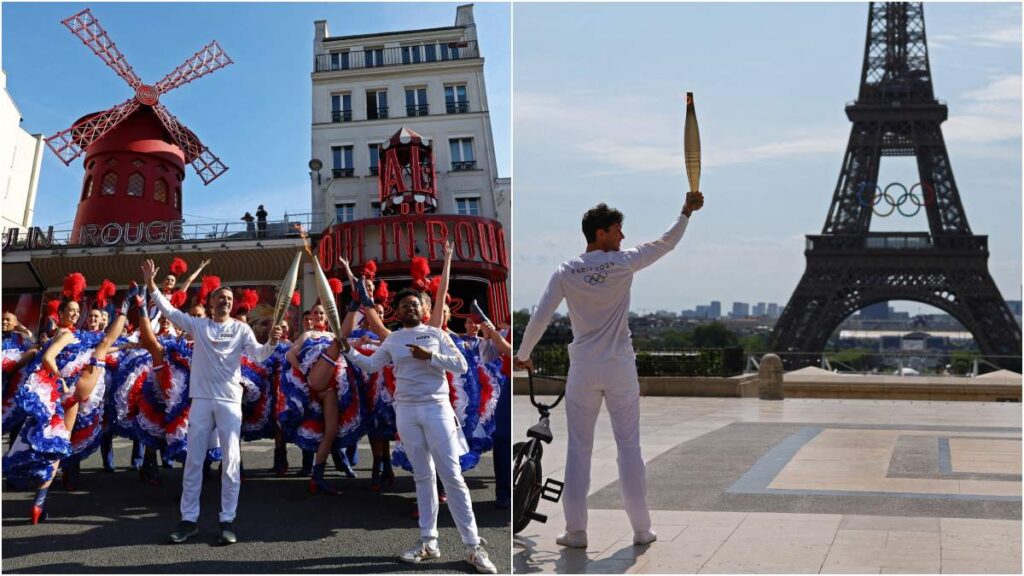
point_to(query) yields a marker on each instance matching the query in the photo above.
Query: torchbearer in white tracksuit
(216, 392)
(427, 424)
(602, 365)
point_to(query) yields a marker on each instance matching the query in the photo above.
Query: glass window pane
(449, 94)
(467, 149)
(455, 150)
(348, 156)
(335, 102)
(431, 50)
(336, 156)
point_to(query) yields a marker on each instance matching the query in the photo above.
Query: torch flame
(305, 238)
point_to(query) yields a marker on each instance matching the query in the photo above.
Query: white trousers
(613, 380)
(203, 417)
(429, 433)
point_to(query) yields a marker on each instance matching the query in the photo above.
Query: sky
(598, 116)
(254, 114)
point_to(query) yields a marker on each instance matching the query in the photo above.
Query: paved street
(115, 523)
(798, 486)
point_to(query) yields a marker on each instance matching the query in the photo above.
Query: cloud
(648, 139)
(990, 114)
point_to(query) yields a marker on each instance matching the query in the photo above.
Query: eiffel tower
(849, 267)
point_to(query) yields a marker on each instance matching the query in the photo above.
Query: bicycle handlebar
(544, 408)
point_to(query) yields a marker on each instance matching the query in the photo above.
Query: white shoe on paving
(644, 537)
(477, 556)
(422, 551)
(574, 539)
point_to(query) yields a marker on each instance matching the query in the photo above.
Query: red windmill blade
(211, 58)
(207, 165)
(88, 29)
(72, 142)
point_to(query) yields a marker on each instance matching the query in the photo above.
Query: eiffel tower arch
(850, 267)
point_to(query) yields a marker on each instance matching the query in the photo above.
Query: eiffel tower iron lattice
(849, 267)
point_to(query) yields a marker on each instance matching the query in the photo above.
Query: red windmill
(135, 152)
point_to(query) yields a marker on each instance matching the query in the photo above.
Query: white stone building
(21, 155)
(367, 86)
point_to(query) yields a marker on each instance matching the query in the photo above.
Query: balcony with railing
(381, 113)
(417, 110)
(885, 241)
(341, 115)
(343, 172)
(457, 106)
(395, 56)
(464, 166)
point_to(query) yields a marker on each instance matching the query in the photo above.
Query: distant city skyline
(602, 121)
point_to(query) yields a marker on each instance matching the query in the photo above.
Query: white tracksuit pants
(429, 433)
(615, 381)
(205, 415)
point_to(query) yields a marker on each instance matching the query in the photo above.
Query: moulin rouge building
(402, 159)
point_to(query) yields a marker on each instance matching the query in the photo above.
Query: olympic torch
(691, 145)
(284, 297)
(323, 289)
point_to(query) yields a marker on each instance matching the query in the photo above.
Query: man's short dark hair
(600, 217)
(218, 289)
(405, 293)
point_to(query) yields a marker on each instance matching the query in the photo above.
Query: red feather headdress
(380, 293)
(248, 300)
(107, 289)
(370, 270)
(210, 283)
(419, 270)
(178, 267)
(74, 286)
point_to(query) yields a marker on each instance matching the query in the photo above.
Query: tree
(713, 335)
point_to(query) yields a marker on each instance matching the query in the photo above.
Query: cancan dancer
(602, 365)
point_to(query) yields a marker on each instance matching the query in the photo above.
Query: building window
(374, 150)
(136, 184)
(344, 212)
(342, 161)
(376, 104)
(411, 55)
(109, 184)
(375, 210)
(341, 107)
(416, 102)
(374, 57)
(339, 61)
(87, 187)
(160, 191)
(462, 154)
(455, 100)
(468, 206)
(430, 52)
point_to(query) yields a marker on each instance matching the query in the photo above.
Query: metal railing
(713, 362)
(465, 166)
(341, 115)
(395, 56)
(380, 114)
(457, 107)
(893, 363)
(343, 172)
(190, 232)
(896, 241)
(418, 110)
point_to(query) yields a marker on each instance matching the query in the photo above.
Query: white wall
(20, 160)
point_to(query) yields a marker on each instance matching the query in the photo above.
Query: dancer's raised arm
(437, 314)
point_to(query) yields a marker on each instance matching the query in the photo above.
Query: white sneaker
(419, 553)
(477, 556)
(574, 539)
(644, 538)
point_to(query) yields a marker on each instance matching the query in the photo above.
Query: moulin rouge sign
(112, 234)
(397, 239)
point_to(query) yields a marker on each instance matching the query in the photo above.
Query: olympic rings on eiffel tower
(926, 198)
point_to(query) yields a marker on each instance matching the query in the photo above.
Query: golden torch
(323, 289)
(284, 297)
(691, 145)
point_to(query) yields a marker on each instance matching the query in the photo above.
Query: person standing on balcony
(602, 365)
(261, 222)
(250, 226)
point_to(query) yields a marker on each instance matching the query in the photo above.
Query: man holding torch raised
(602, 365)
(216, 394)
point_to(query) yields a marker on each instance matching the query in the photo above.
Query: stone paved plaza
(798, 486)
